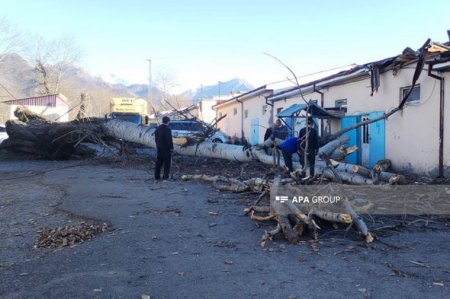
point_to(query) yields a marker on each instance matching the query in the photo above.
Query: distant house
(202, 110)
(55, 107)
(247, 115)
(250, 114)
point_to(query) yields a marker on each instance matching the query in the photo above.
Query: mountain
(113, 79)
(18, 80)
(224, 88)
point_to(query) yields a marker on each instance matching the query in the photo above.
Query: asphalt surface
(185, 240)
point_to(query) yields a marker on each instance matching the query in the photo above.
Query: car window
(175, 126)
(198, 127)
(187, 126)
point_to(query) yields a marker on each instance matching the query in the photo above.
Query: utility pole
(201, 92)
(149, 93)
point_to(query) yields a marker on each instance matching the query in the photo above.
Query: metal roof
(315, 110)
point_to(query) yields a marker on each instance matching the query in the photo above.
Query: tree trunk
(48, 140)
(282, 213)
(60, 140)
(361, 170)
(329, 148)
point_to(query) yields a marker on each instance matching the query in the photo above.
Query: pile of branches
(292, 218)
(68, 235)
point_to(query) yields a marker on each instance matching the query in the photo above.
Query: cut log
(359, 222)
(341, 152)
(327, 149)
(361, 170)
(352, 178)
(383, 165)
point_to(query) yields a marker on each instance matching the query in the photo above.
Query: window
(341, 103)
(245, 113)
(414, 97)
(365, 131)
(234, 111)
(264, 109)
(279, 110)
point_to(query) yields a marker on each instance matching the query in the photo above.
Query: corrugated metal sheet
(49, 100)
(54, 100)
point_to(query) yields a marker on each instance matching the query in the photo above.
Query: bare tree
(52, 61)
(10, 38)
(166, 83)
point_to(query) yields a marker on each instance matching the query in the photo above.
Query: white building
(55, 107)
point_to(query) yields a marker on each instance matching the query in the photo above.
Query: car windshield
(133, 118)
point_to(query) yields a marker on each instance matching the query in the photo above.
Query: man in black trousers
(313, 146)
(164, 148)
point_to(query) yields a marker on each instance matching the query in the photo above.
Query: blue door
(353, 135)
(254, 136)
(376, 139)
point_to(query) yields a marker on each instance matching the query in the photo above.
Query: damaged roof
(438, 53)
(295, 109)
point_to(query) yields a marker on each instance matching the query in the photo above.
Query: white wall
(254, 107)
(411, 135)
(206, 112)
(231, 124)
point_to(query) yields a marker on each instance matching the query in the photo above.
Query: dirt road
(185, 240)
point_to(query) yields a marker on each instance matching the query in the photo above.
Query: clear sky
(206, 41)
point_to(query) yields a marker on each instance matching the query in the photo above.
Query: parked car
(181, 128)
(3, 134)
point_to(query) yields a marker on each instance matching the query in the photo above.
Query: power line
(7, 91)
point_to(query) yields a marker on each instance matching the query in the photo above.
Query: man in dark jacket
(164, 148)
(279, 131)
(313, 146)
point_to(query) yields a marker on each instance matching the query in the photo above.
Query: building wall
(251, 108)
(231, 124)
(412, 135)
(206, 112)
(446, 124)
(257, 109)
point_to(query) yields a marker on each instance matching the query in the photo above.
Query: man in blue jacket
(288, 148)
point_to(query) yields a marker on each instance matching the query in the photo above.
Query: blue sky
(203, 42)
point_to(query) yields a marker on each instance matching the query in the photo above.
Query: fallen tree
(61, 140)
